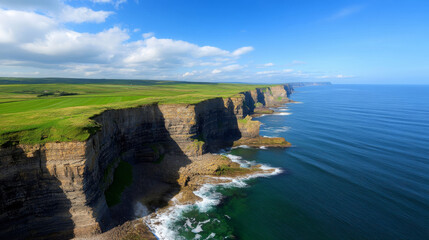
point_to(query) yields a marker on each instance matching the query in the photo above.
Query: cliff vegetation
(51, 110)
(150, 142)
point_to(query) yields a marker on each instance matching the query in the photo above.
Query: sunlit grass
(27, 117)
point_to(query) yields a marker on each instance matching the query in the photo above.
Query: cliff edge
(59, 190)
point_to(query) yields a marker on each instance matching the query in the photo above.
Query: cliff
(57, 190)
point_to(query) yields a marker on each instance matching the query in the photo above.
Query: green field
(50, 110)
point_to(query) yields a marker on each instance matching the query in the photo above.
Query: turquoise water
(358, 169)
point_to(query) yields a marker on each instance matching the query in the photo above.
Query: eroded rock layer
(56, 190)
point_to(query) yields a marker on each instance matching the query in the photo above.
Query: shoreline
(175, 207)
(154, 225)
(148, 154)
(158, 222)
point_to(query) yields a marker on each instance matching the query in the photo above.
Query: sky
(255, 41)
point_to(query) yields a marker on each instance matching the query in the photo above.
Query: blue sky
(223, 41)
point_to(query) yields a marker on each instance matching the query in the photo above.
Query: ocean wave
(266, 136)
(276, 114)
(277, 129)
(243, 146)
(282, 113)
(239, 160)
(163, 224)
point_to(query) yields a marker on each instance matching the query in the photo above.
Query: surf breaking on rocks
(163, 223)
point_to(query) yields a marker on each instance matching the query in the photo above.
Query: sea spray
(140, 210)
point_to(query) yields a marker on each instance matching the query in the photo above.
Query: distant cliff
(303, 84)
(57, 190)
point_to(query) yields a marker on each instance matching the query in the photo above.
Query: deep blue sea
(358, 169)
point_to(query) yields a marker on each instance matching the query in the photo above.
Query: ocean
(358, 169)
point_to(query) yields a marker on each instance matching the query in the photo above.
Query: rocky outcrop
(277, 142)
(56, 190)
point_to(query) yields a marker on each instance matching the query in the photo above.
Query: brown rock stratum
(56, 190)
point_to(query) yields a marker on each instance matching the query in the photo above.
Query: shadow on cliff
(260, 96)
(157, 149)
(156, 159)
(32, 203)
(289, 89)
(249, 103)
(217, 124)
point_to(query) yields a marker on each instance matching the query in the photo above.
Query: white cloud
(343, 76)
(232, 67)
(57, 10)
(101, 1)
(275, 72)
(136, 30)
(266, 72)
(228, 68)
(82, 14)
(69, 44)
(119, 2)
(31, 4)
(19, 26)
(211, 64)
(170, 52)
(35, 42)
(345, 12)
(242, 50)
(115, 2)
(148, 35)
(216, 71)
(187, 74)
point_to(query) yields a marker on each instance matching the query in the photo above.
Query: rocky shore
(263, 142)
(58, 190)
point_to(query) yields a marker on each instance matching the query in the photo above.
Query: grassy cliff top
(49, 110)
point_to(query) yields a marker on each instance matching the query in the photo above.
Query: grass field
(49, 110)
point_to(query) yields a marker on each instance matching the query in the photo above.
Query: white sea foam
(162, 224)
(282, 113)
(277, 129)
(198, 229)
(212, 235)
(239, 160)
(263, 147)
(265, 136)
(243, 146)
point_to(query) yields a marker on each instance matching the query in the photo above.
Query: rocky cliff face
(56, 190)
